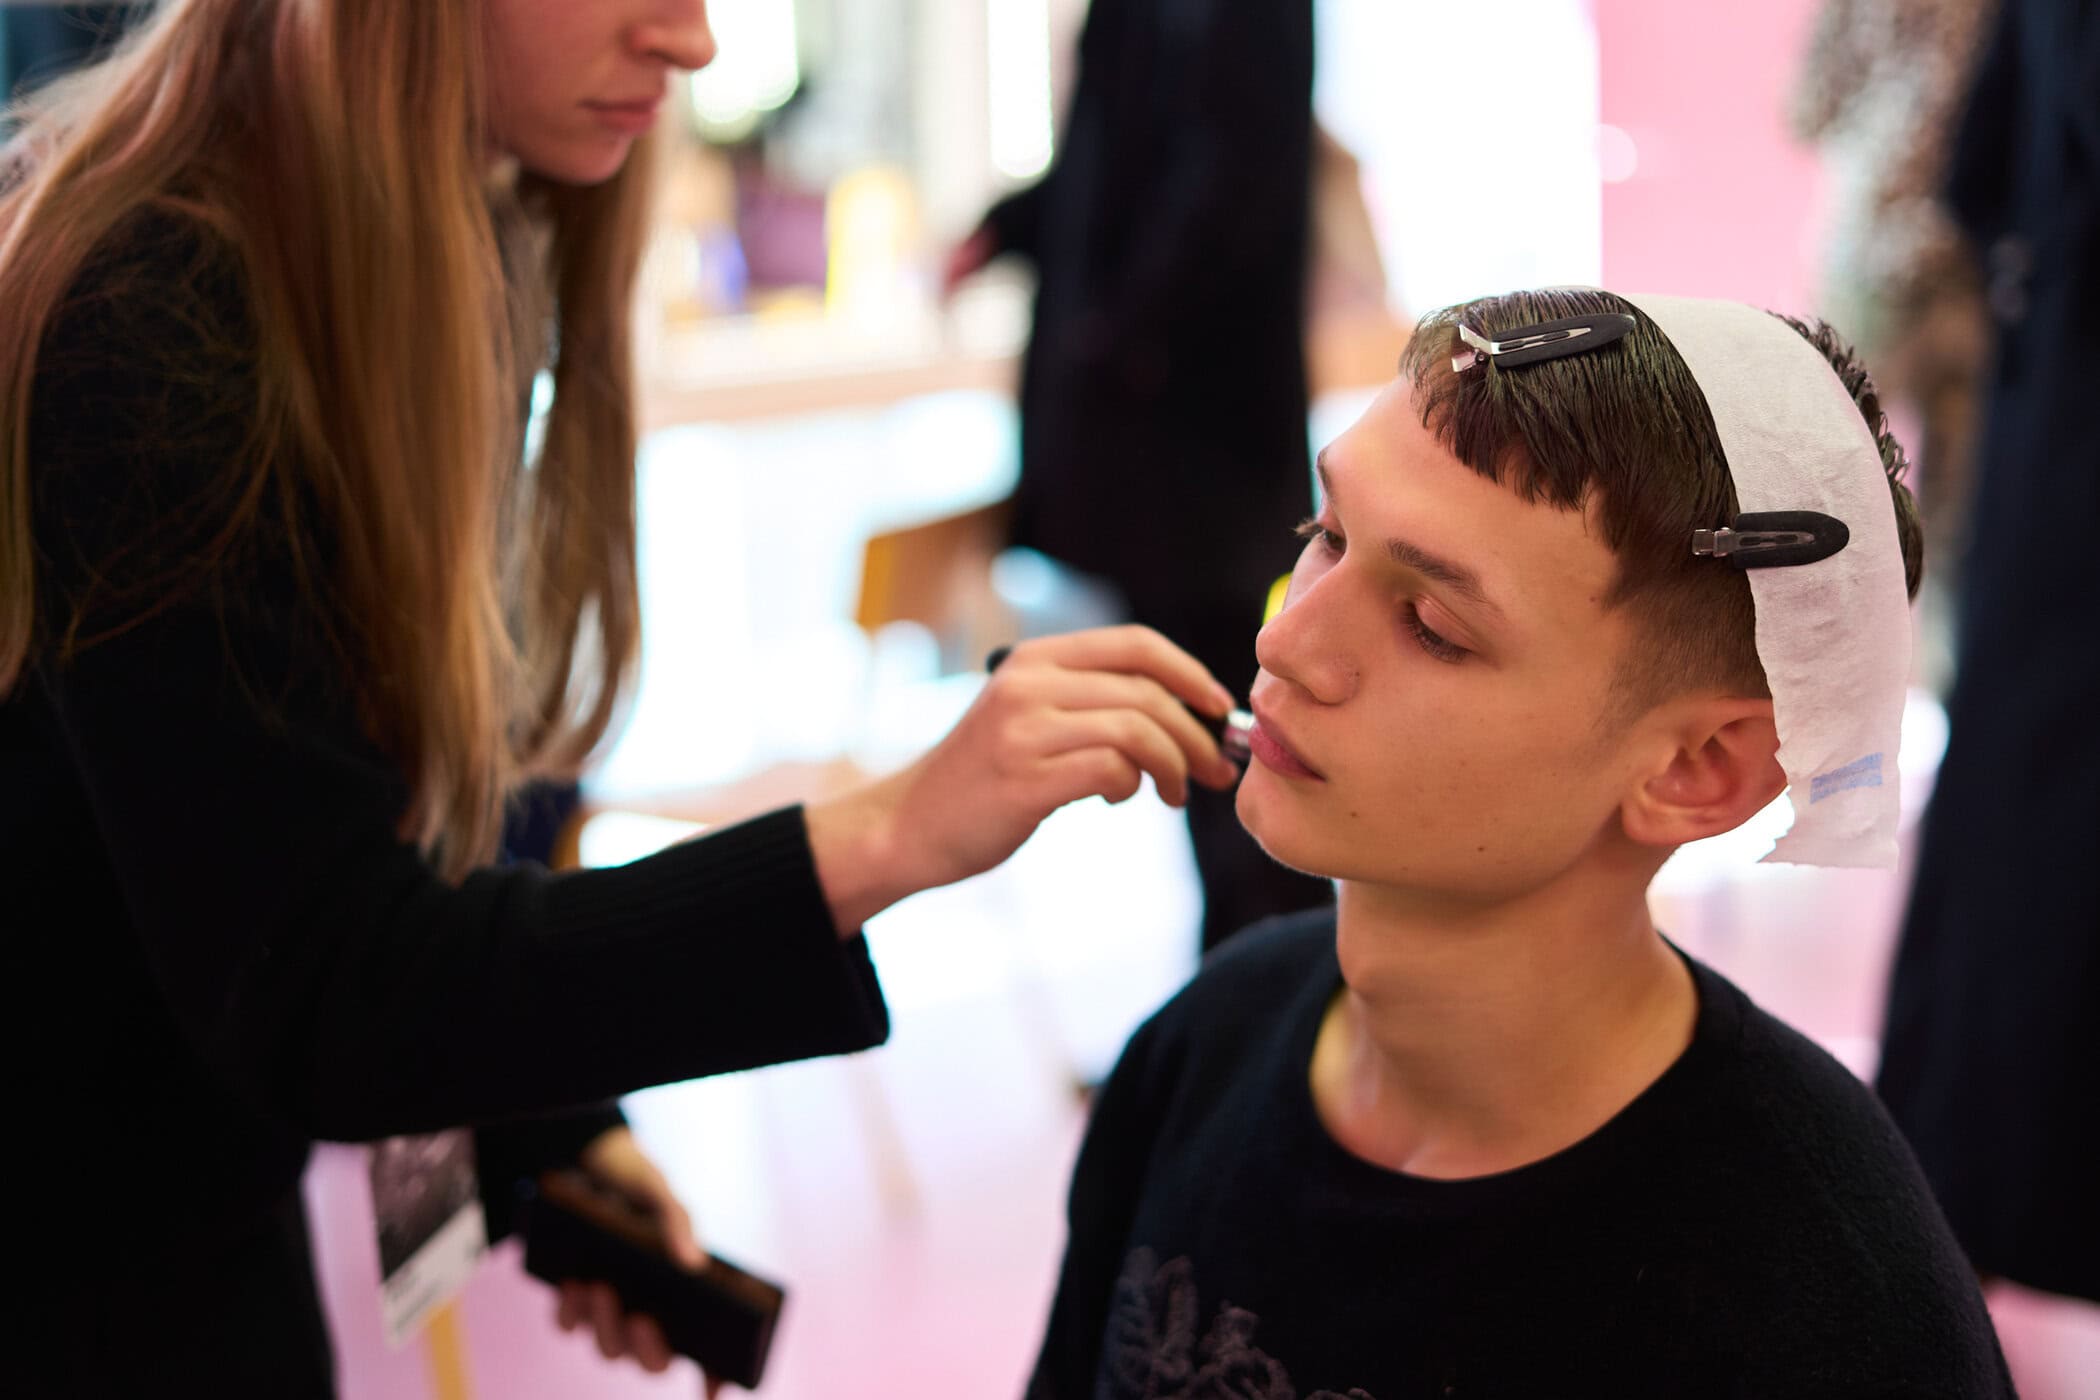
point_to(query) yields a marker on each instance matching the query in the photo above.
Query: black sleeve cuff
(744, 966)
(507, 1155)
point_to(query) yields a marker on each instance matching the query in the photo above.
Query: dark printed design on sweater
(1153, 1353)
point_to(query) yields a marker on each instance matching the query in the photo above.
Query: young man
(1480, 1131)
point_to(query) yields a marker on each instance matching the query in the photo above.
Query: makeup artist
(285, 617)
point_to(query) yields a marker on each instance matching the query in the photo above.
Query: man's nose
(1302, 644)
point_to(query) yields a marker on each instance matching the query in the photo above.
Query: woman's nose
(677, 32)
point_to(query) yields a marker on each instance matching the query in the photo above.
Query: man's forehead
(1395, 473)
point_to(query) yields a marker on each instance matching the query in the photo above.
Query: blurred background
(829, 449)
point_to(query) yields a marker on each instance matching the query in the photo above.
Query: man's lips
(1273, 748)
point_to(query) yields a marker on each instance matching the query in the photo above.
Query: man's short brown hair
(1626, 429)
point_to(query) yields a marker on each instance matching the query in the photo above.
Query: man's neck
(1473, 1040)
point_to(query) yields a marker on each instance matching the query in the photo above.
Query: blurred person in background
(1992, 1040)
(1163, 396)
(1879, 95)
(286, 619)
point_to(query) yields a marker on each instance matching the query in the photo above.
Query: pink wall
(1722, 201)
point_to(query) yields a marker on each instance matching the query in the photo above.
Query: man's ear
(1722, 769)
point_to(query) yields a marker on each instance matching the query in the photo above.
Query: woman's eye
(1429, 641)
(1312, 529)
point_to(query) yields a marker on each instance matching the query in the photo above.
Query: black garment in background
(39, 42)
(221, 950)
(1750, 1227)
(1991, 1058)
(1163, 398)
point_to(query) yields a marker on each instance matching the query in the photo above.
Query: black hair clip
(1548, 340)
(1774, 538)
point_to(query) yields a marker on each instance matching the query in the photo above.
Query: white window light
(1017, 64)
(756, 68)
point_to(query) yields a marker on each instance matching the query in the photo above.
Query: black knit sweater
(1751, 1227)
(221, 949)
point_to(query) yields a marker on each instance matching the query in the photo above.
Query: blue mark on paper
(1861, 772)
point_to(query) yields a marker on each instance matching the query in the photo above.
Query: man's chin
(1281, 835)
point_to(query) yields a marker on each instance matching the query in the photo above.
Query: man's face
(1439, 666)
(574, 83)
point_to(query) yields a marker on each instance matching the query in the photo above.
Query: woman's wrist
(853, 840)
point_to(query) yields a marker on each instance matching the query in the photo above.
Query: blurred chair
(938, 574)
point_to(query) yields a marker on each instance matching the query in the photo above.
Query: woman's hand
(1088, 714)
(616, 1161)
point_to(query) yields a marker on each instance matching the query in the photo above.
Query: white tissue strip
(1863, 772)
(1834, 636)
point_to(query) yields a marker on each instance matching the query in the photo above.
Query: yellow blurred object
(1277, 590)
(871, 231)
(445, 1345)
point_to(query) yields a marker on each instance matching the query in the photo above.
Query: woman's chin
(579, 163)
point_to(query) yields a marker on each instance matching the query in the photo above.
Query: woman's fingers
(1021, 751)
(1140, 651)
(1090, 773)
(652, 1190)
(1135, 736)
(572, 1308)
(617, 1332)
(1108, 690)
(1035, 690)
(615, 1159)
(608, 1321)
(680, 1238)
(646, 1340)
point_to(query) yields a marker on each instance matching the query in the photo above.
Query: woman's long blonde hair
(485, 609)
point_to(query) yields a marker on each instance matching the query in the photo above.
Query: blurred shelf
(808, 361)
(769, 366)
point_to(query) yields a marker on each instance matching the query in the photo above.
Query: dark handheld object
(721, 1316)
(1231, 732)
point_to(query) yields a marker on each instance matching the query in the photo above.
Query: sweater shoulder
(1248, 983)
(144, 407)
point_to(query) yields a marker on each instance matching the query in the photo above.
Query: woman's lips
(629, 119)
(1274, 754)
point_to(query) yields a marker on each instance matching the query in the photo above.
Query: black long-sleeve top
(220, 949)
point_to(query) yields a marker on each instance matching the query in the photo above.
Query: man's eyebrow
(1456, 577)
(1462, 581)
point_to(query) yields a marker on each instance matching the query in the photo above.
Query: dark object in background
(721, 1316)
(1163, 396)
(39, 42)
(1992, 1043)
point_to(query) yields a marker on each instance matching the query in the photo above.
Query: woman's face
(574, 82)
